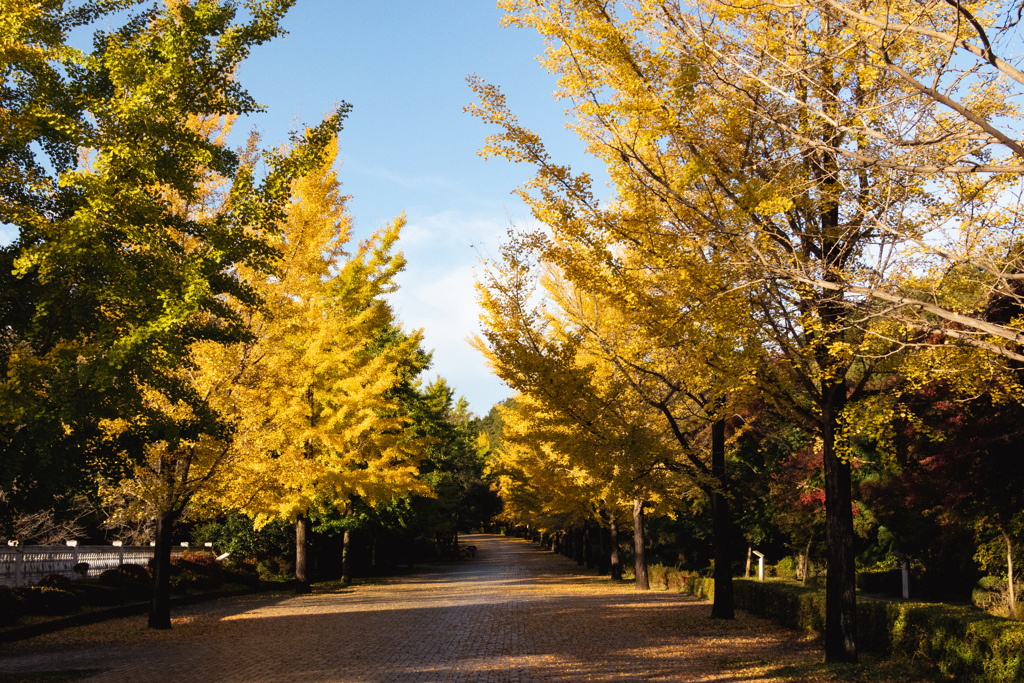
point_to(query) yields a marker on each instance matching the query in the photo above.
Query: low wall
(25, 565)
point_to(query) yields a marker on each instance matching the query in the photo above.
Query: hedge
(962, 642)
(683, 581)
(10, 606)
(46, 601)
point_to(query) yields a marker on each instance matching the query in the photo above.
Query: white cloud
(438, 295)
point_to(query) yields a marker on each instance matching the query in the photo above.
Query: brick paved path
(514, 613)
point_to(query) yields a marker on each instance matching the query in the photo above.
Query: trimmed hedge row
(960, 641)
(686, 582)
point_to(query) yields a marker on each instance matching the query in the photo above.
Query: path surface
(514, 613)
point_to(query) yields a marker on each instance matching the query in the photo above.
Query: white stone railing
(25, 565)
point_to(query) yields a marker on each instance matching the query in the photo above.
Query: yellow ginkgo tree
(303, 406)
(310, 398)
(594, 420)
(741, 134)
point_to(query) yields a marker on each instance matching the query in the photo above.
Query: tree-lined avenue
(513, 613)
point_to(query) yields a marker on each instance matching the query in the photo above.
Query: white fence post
(760, 565)
(19, 562)
(905, 571)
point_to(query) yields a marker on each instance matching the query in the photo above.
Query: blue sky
(408, 146)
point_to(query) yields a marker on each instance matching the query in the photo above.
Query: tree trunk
(750, 556)
(346, 546)
(613, 541)
(302, 522)
(722, 607)
(346, 558)
(807, 559)
(588, 544)
(638, 545)
(1012, 595)
(579, 543)
(603, 565)
(160, 604)
(840, 576)
(302, 555)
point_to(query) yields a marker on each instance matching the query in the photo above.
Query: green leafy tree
(109, 283)
(125, 258)
(454, 467)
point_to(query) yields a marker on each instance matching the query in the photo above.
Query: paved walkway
(514, 613)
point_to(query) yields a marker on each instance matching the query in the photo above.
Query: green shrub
(56, 581)
(675, 580)
(988, 593)
(10, 606)
(696, 585)
(198, 570)
(97, 594)
(125, 575)
(657, 575)
(965, 644)
(44, 601)
(787, 604)
(883, 581)
(276, 567)
(132, 580)
(992, 594)
(786, 568)
(136, 573)
(181, 583)
(243, 573)
(961, 642)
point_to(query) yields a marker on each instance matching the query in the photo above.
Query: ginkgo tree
(585, 403)
(597, 461)
(310, 401)
(306, 418)
(679, 343)
(539, 480)
(919, 96)
(701, 172)
(108, 283)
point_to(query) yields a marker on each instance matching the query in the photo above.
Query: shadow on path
(514, 613)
